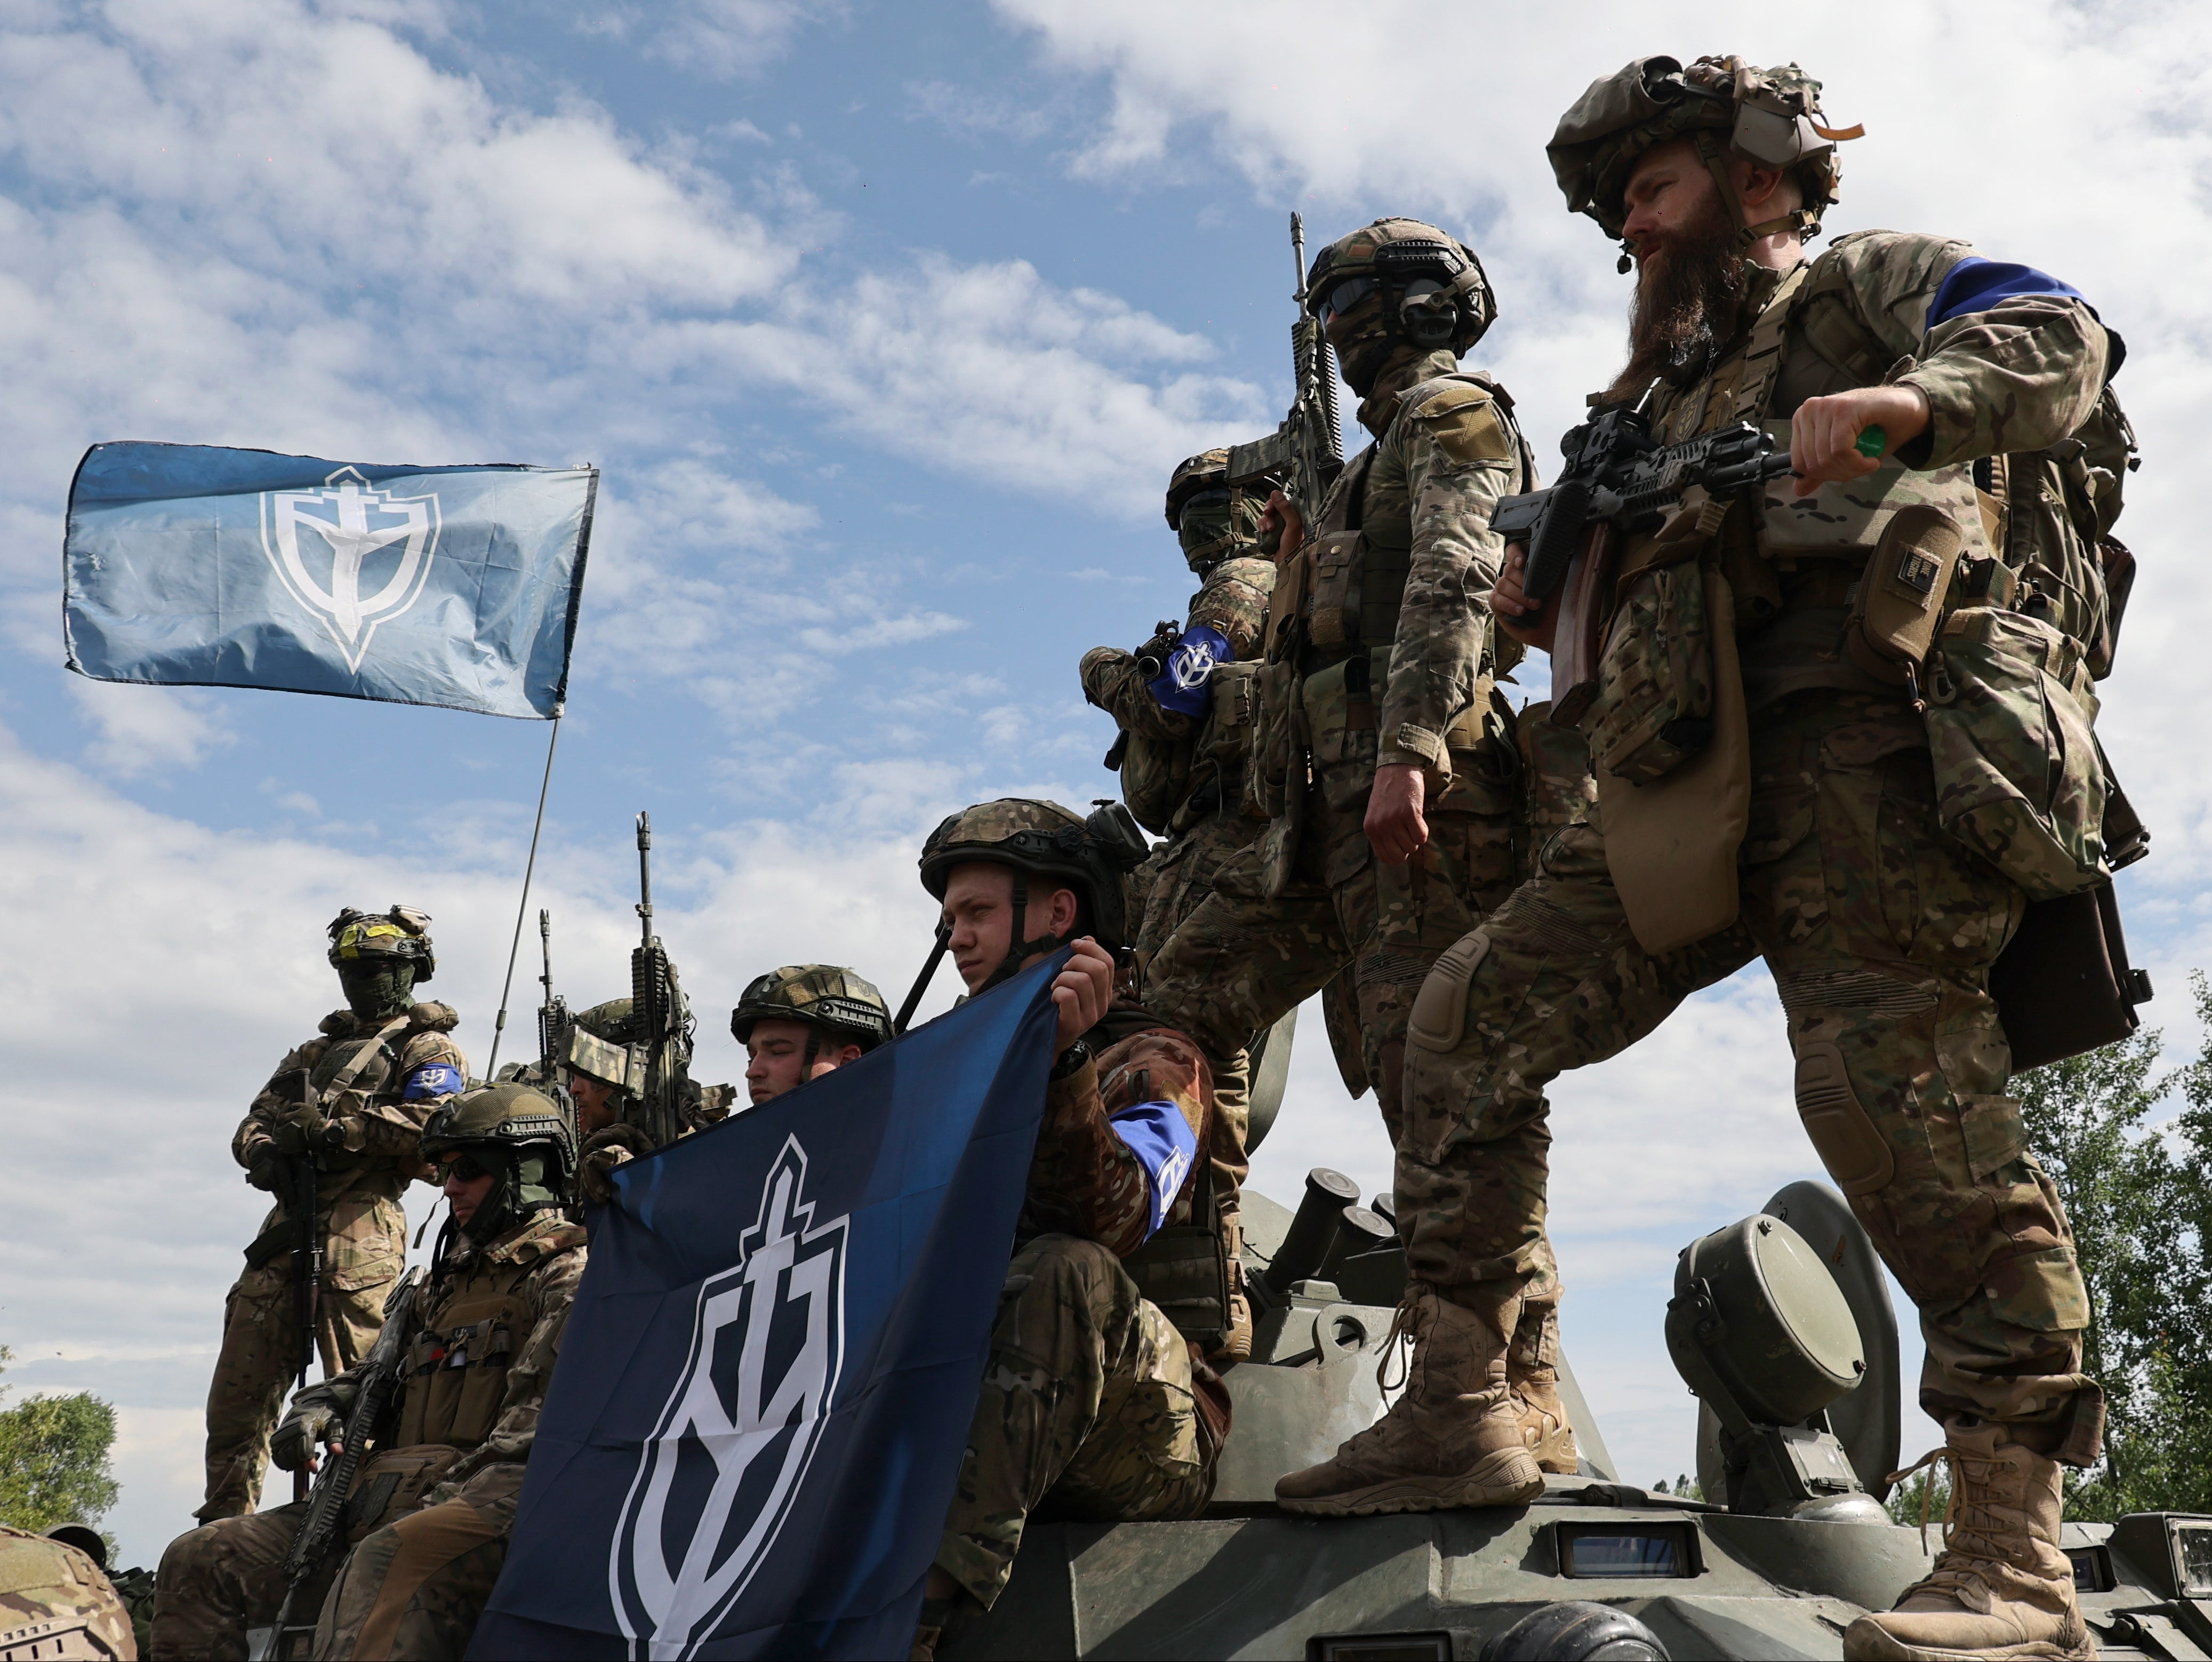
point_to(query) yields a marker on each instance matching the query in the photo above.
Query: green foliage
(1924, 1497)
(1686, 1487)
(53, 1459)
(2139, 1202)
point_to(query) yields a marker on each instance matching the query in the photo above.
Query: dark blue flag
(188, 564)
(750, 1442)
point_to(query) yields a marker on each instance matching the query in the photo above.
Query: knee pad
(1845, 1137)
(1439, 1015)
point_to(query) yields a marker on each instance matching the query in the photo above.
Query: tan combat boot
(2002, 1590)
(1454, 1439)
(1532, 1369)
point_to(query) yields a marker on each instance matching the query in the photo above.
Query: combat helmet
(1042, 839)
(1432, 289)
(1214, 520)
(833, 1001)
(601, 1043)
(521, 1135)
(360, 938)
(1772, 115)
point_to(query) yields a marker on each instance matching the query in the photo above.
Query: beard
(1690, 287)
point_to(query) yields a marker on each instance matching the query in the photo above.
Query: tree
(53, 1459)
(2137, 1200)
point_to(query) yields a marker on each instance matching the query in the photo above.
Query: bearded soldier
(1385, 753)
(1092, 1394)
(1815, 783)
(804, 1021)
(442, 1480)
(344, 1111)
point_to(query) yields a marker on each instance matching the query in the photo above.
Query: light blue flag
(197, 565)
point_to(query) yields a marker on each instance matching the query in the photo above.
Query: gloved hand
(265, 1167)
(299, 1130)
(596, 1174)
(292, 1445)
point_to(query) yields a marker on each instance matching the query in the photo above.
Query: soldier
(801, 1021)
(1185, 729)
(485, 1331)
(1880, 928)
(1381, 692)
(1091, 1395)
(135, 1587)
(351, 1103)
(56, 1601)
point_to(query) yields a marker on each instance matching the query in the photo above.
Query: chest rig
(1360, 557)
(456, 1364)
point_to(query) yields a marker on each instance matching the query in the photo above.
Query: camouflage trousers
(1086, 1411)
(364, 1248)
(416, 1587)
(1880, 931)
(221, 1579)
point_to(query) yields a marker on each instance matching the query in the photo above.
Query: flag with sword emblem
(198, 565)
(750, 1442)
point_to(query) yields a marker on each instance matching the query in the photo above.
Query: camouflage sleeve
(516, 1428)
(267, 1106)
(1462, 452)
(2019, 375)
(1111, 682)
(393, 1127)
(1234, 600)
(1084, 1179)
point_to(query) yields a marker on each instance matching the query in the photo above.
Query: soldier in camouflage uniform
(353, 1101)
(801, 1021)
(56, 1601)
(485, 1331)
(1385, 754)
(1185, 731)
(1878, 927)
(1091, 1396)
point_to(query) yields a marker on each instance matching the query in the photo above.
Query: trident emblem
(361, 529)
(717, 1480)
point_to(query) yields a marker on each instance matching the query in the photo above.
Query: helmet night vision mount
(1771, 1345)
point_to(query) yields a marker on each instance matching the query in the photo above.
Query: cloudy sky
(886, 324)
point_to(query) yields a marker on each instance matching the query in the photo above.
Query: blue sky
(886, 324)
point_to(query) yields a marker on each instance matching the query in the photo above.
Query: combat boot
(1532, 1369)
(2001, 1591)
(1454, 1439)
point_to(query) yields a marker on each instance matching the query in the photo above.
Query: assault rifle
(1307, 451)
(305, 1174)
(1618, 481)
(661, 1015)
(552, 1009)
(379, 1378)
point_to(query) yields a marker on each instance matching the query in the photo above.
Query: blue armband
(432, 1079)
(1164, 1145)
(1182, 688)
(1975, 284)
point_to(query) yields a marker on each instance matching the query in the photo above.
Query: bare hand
(1509, 601)
(1823, 434)
(1395, 827)
(1282, 515)
(1083, 990)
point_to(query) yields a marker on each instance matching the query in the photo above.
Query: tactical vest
(1359, 566)
(456, 1369)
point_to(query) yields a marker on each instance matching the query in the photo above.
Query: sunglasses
(468, 1168)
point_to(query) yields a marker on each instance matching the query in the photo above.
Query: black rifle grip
(1557, 539)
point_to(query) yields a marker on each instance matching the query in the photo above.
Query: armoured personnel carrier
(1782, 1326)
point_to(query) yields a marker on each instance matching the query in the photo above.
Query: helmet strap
(813, 1049)
(1018, 950)
(1802, 221)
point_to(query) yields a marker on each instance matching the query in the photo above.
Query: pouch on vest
(1340, 722)
(1332, 618)
(1901, 596)
(1276, 771)
(1184, 1269)
(1654, 709)
(2018, 777)
(392, 1483)
(2063, 986)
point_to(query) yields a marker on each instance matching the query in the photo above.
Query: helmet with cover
(1772, 116)
(834, 1002)
(1213, 519)
(379, 958)
(1397, 283)
(522, 1136)
(1041, 840)
(601, 1044)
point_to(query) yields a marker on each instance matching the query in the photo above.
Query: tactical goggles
(1342, 297)
(468, 1168)
(1205, 503)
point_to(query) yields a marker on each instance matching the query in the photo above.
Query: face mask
(379, 991)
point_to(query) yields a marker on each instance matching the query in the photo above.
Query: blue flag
(750, 1445)
(194, 565)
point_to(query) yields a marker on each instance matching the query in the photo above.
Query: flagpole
(522, 909)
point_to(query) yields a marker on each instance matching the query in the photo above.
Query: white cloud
(145, 728)
(726, 38)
